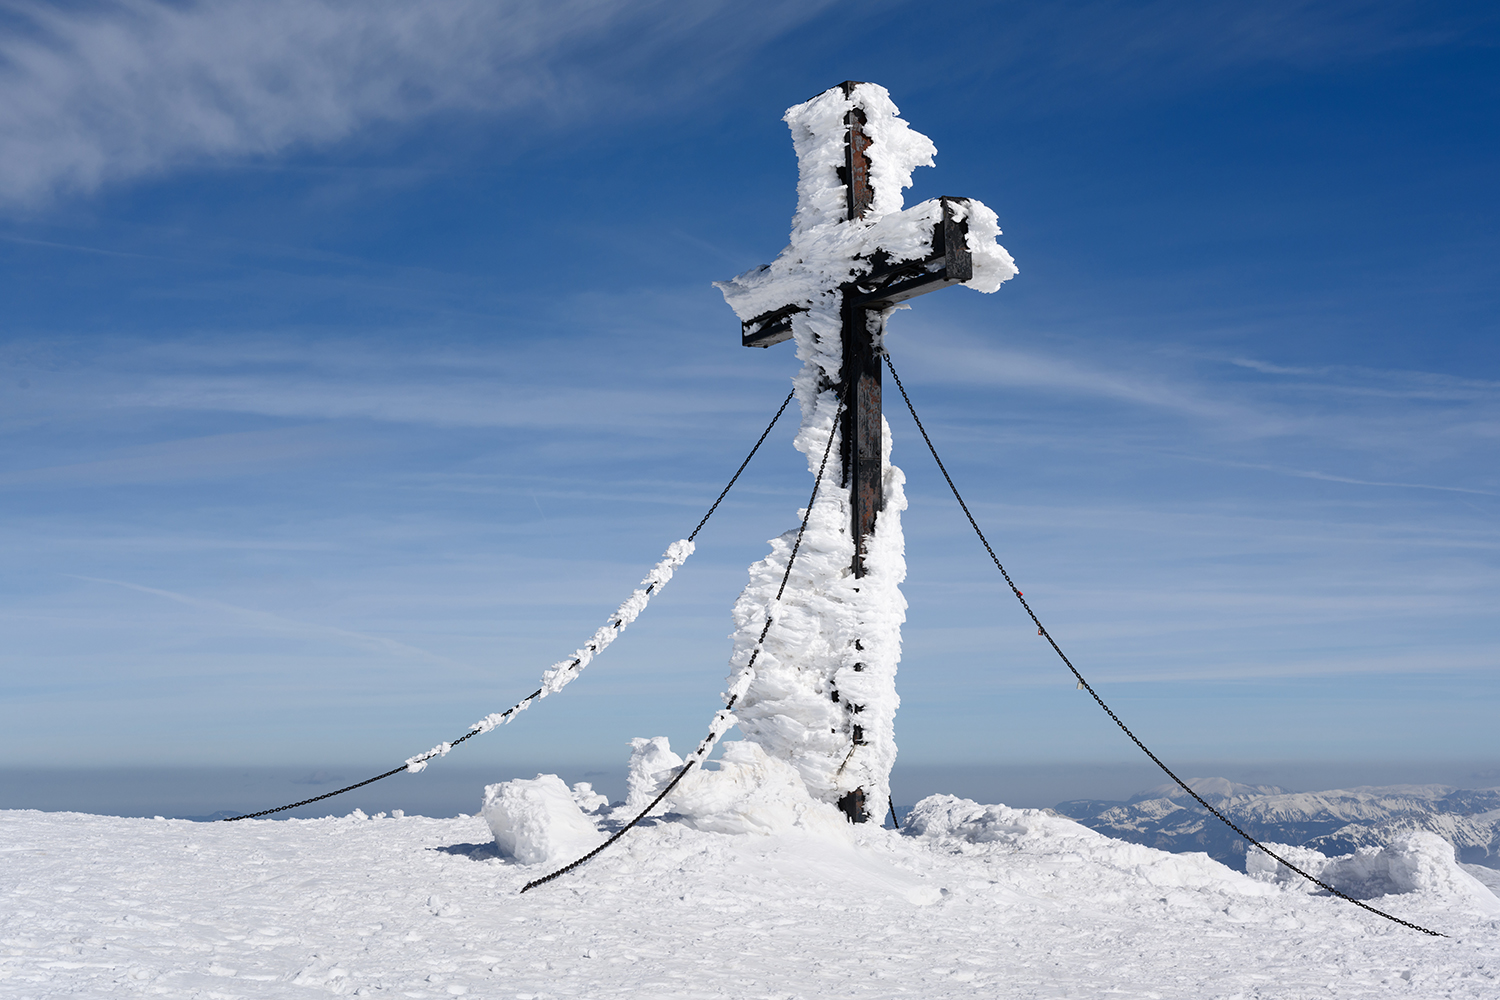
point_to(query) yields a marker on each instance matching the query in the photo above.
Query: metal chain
(735, 478)
(713, 736)
(1042, 631)
(537, 693)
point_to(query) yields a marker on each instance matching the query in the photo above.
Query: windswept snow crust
(752, 792)
(975, 901)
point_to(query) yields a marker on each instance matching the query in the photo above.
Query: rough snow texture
(589, 800)
(743, 792)
(989, 902)
(538, 821)
(561, 673)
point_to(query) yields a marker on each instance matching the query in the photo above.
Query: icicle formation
(822, 695)
(557, 676)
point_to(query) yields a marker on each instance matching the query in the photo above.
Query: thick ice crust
(835, 642)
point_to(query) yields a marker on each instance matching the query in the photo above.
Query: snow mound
(1416, 862)
(538, 821)
(963, 826)
(652, 765)
(948, 817)
(588, 800)
(752, 792)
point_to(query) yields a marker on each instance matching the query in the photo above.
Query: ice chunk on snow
(941, 817)
(537, 821)
(588, 800)
(1419, 861)
(652, 765)
(1261, 866)
(751, 792)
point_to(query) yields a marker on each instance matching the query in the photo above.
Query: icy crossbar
(558, 676)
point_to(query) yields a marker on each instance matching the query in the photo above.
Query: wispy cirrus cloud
(265, 621)
(202, 457)
(95, 93)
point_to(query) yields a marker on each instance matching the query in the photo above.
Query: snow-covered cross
(822, 695)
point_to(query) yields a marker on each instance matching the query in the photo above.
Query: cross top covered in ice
(825, 188)
(855, 156)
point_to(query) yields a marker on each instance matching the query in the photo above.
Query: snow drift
(1418, 861)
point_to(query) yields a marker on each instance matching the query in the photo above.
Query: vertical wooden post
(862, 431)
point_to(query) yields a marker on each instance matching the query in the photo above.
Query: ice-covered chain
(564, 672)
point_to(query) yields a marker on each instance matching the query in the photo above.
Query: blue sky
(356, 359)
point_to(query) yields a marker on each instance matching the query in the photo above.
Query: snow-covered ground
(974, 902)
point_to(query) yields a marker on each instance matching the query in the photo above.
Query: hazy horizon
(447, 788)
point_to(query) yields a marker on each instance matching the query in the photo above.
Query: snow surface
(975, 901)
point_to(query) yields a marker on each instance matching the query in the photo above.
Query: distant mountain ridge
(1333, 822)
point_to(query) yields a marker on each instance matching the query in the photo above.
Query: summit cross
(876, 283)
(818, 690)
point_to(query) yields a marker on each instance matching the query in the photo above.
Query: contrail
(276, 623)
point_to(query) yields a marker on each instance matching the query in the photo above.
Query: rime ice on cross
(823, 694)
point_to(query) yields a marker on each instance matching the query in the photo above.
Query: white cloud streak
(203, 457)
(103, 92)
(277, 625)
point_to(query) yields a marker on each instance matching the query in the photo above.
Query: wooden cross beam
(878, 284)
